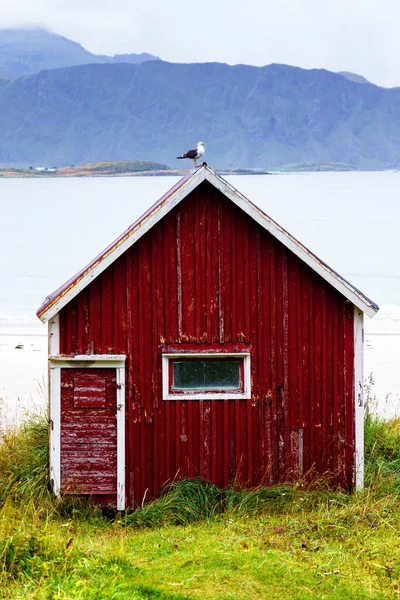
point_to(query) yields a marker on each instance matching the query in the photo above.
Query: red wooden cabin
(205, 341)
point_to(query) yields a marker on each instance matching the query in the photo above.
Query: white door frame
(85, 361)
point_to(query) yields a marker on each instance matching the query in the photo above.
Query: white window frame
(201, 395)
(85, 361)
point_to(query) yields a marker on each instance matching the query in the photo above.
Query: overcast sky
(362, 36)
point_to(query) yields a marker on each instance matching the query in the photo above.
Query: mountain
(353, 77)
(249, 117)
(25, 51)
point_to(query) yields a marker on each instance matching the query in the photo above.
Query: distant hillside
(26, 51)
(354, 77)
(249, 117)
(135, 167)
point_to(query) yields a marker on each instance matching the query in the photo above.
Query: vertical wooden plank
(120, 305)
(63, 330)
(336, 387)
(190, 442)
(260, 333)
(83, 322)
(179, 273)
(341, 398)
(214, 426)
(207, 416)
(233, 277)
(324, 407)
(270, 305)
(293, 360)
(330, 400)
(299, 381)
(226, 443)
(221, 280)
(317, 422)
(228, 270)
(145, 357)
(209, 272)
(240, 279)
(198, 229)
(312, 363)
(280, 360)
(306, 318)
(71, 328)
(201, 438)
(130, 441)
(183, 440)
(286, 409)
(186, 266)
(213, 266)
(95, 316)
(196, 446)
(349, 354)
(232, 448)
(238, 443)
(158, 334)
(107, 301)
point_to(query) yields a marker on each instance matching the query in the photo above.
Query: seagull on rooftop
(195, 153)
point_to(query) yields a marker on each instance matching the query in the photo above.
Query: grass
(197, 541)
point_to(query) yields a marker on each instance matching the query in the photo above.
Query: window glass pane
(198, 374)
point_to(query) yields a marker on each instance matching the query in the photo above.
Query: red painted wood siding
(208, 274)
(88, 431)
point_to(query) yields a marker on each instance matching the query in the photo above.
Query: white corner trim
(98, 361)
(229, 394)
(120, 375)
(359, 397)
(54, 392)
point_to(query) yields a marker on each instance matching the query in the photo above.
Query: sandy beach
(23, 376)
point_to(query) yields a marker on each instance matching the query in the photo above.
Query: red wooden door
(88, 431)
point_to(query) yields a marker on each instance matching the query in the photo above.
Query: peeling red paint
(88, 431)
(209, 277)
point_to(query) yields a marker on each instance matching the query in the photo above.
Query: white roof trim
(205, 173)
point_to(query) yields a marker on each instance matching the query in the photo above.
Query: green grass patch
(197, 541)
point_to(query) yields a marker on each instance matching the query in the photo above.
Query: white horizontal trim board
(229, 394)
(86, 361)
(201, 174)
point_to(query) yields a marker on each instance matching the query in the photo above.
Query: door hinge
(51, 424)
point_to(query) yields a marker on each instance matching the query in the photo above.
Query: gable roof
(63, 295)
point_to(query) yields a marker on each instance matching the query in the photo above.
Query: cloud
(359, 36)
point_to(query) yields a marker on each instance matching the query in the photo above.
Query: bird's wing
(190, 153)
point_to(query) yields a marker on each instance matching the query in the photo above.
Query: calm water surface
(51, 228)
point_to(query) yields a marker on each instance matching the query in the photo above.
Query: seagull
(195, 153)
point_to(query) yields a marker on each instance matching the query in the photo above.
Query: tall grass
(51, 548)
(24, 463)
(24, 480)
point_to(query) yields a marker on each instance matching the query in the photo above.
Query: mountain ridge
(249, 117)
(28, 51)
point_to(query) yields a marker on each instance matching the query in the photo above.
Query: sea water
(51, 227)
